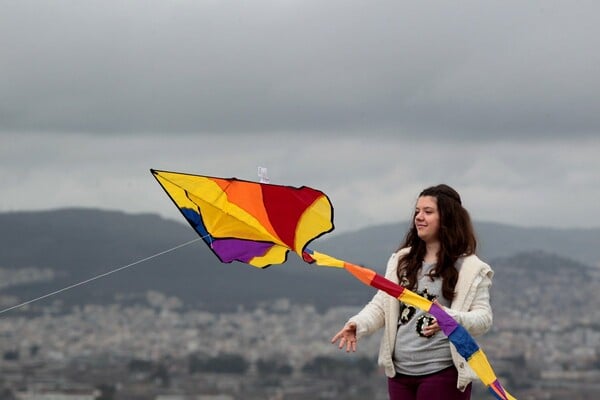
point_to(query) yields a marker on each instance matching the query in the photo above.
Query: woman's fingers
(349, 342)
(351, 345)
(347, 338)
(337, 336)
(431, 329)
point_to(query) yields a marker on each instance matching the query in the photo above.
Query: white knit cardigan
(470, 308)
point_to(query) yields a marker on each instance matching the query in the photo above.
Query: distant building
(33, 395)
(194, 397)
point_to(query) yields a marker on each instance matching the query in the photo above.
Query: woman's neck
(431, 252)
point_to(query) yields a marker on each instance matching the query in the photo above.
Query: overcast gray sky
(369, 101)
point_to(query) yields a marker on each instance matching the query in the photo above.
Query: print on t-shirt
(408, 312)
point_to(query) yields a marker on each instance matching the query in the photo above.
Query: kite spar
(258, 224)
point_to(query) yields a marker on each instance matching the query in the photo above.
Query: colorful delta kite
(258, 224)
(254, 223)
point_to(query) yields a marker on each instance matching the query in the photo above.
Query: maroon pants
(437, 386)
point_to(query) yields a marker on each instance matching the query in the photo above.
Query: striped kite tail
(456, 333)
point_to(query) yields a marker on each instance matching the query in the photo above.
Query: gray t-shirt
(414, 353)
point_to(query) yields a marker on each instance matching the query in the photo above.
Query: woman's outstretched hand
(347, 337)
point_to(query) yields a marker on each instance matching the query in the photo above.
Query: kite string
(99, 276)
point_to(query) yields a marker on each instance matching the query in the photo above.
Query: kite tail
(321, 259)
(456, 333)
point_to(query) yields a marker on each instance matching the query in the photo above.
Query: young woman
(437, 260)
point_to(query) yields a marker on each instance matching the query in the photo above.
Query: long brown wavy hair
(456, 236)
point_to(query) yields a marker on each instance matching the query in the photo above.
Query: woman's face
(427, 218)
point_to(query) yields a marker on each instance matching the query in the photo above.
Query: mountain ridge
(80, 242)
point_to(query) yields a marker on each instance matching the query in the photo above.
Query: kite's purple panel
(446, 322)
(230, 250)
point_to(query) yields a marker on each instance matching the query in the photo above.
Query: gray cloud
(367, 101)
(552, 183)
(391, 68)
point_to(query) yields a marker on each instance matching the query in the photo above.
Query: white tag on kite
(262, 174)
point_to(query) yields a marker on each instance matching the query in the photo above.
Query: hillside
(81, 243)
(373, 245)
